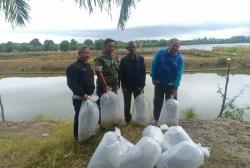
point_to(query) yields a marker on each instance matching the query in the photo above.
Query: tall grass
(235, 49)
(54, 150)
(190, 113)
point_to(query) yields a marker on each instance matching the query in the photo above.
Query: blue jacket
(166, 68)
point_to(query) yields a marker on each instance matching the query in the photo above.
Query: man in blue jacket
(166, 71)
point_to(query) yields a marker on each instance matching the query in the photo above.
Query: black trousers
(77, 105)
(159, 93)
(127, 102)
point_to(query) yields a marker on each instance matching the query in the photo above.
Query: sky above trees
(182, 19)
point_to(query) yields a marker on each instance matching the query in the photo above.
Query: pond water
(208, 47)
(26, 97)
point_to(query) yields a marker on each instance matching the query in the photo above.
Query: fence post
(225, 92)
(2, 109)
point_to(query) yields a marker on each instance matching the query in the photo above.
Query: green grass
(222, 61)
(24, 145)
(236, 49)
(55, 150)
(190, 113)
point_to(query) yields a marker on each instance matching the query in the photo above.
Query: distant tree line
(49, 45)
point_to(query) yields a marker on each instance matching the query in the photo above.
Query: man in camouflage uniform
(107, 68)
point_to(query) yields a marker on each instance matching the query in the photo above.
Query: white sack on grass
(177, 134)
(183, 155)
(142, 113)
(110, 151)
(173, 136)
(169, 113)
(153, 132)
(144, 154)
(87, 120)
(110, 109)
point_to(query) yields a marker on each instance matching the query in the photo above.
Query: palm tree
(17, 11)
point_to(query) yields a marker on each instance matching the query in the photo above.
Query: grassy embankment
(56, 63)
(22, 144)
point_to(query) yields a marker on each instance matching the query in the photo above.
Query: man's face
(174, 47)
(84, 54)
(109, 48)
(132, 50)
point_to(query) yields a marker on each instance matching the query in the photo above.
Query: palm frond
(16, 11)
(125, 12)
(125, 6)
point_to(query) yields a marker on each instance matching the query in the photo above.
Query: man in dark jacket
(132, 74)
(166, 71)
(80, 79)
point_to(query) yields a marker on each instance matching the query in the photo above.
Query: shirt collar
(134, 56)
(169, 53)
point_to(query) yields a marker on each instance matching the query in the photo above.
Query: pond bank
(22, 143)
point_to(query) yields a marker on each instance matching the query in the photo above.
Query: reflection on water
(24, 98)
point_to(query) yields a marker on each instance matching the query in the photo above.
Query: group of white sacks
(111, 113)
(89, 115)
(173, 149)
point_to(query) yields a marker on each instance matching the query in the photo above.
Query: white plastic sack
(183, 155)
(177, 134)
(153, 132)
(110, 109)
(173, 136)
(144, 154)
(205, 150)
(169, 113)
(142, 113)
(87, 120)
(110, 151)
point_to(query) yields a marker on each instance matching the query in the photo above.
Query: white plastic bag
(110, 109)
(169, 113)
(177, 134)
(110, 151)
(142, 113)
(183, 155)
(173, 136)
(144, 154)
(153, 132)
(87, 120)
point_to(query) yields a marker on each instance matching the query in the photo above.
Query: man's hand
(155, 82)
(85, 97)
(119, 84)
(174, 92)
(125, 91)
(106, 89)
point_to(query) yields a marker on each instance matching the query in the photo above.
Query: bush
(222, 60)
(190, 113)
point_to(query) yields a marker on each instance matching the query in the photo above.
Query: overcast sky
(155, 19)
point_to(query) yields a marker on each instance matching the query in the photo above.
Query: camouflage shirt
(109, 66)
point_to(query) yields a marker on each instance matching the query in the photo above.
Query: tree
(24, 47)
(17, 11)
(99, 44)
(1, 47)
(64, 46)
(73, 45)
(88, 43)
(9, 47)
(35, 42)
(49, 45)
(163, 43)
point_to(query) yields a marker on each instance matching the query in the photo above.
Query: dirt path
(229, 140)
